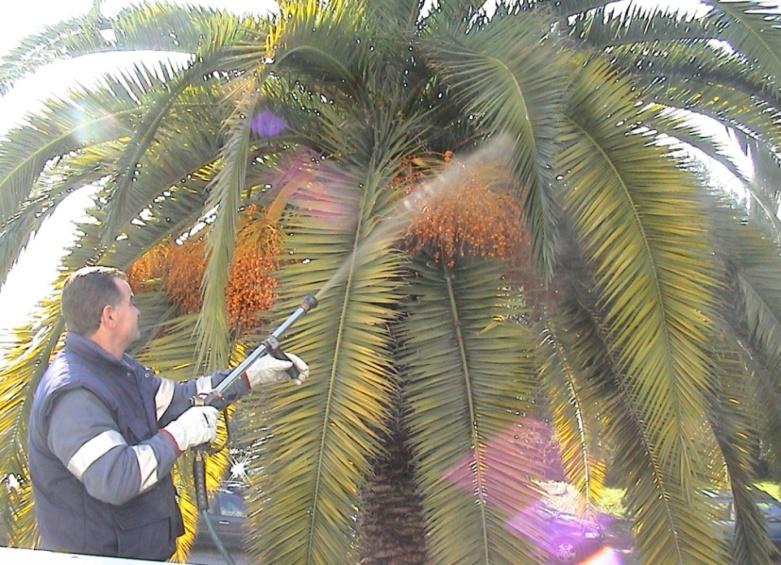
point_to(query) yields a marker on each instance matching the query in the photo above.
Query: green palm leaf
(27, 359)
(321, 435)
(224, 196)
(510, 80)
(84, 119)
(70, 174)
(639, 26)
(394, 17)
(155, 26)
(175, 164)
(752, 29)
(685, 131)
(145, 134)
(669, 523)
(468, 380)
(734, 428)
(330, 46)
(726, 103)
(644, 237)
(766, 397)
(704, 60)
(751, 256)
(212, 54)
(574, 407)
(764, 188)
(570, 7)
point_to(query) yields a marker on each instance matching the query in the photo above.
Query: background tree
(572, 251)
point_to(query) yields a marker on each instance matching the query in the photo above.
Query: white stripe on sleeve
(93, 450)
(203, 385)
(147, 464)
(164, 396)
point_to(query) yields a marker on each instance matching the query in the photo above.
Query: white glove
(268, 369)
(195, 426)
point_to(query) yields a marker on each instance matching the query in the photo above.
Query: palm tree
(635, 307)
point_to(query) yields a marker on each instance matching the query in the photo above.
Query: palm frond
(85, 118)
(661, 26)
(56, 183)
(644, 236)
(767, 395)
(510, 80)
(764, 187)
(753, 263)
(26, 362)
(313, 44)
(670, 524)
(82, 121)
(732, 106)
(320, 436)
(751, 28)
(144, 135)
(224, 196)
(702, 60)
(472, 441)
(160, 26)
(173, 166)
(570, 7)
(734, 428)
(761, 320)
(394, 17)
(686, 132)
(44, 47)
(574, 412)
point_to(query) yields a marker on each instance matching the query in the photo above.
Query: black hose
(201, 497)
(216, 539)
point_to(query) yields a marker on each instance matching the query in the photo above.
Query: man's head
(97, 301)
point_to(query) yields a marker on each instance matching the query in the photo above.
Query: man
(105, 431)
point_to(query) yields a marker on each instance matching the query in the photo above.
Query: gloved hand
(267, 370)
(195, 426)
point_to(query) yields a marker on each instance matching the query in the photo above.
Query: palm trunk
(391, 525)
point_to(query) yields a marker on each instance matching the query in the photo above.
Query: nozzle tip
(309, 302)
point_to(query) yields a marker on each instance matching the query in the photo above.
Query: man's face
(126, 314)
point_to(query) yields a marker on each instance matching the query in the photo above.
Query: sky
(30, 280)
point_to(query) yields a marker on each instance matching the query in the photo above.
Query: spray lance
(216, 398)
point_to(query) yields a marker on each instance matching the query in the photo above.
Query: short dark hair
(85, 294)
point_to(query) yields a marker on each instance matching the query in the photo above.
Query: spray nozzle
(309, 302)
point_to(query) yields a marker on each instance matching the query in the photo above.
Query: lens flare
(605, 556)
(538, 511)
(267, 124)
(92, 128)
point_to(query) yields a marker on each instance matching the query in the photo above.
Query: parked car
(569, 538)
(562, 537)
(228, 515)
(769, 507)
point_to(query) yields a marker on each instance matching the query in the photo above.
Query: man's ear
(107, 316)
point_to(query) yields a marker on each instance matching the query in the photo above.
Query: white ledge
(39, 557)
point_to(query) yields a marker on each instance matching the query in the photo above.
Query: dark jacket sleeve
(174, 397)
(86, 439)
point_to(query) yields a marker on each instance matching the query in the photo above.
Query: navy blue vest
(69, 519)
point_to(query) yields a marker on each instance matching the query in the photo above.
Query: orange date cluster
(251, 288)
(479, 215)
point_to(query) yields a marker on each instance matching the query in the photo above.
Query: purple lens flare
(507, 460)
(267, 124)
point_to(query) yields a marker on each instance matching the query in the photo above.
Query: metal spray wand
(269, 346)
